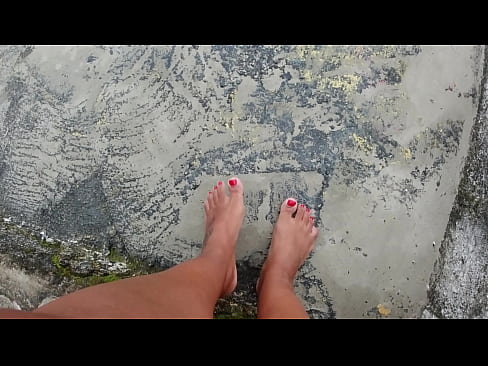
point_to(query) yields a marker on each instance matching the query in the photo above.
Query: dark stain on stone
(391, 75)
(3, 166)
(80, 213)
(26, 51)
(311, 282)
(252, 211)
(352, 170)
(252, 61)
(16, 89)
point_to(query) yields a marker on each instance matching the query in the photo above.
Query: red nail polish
(308, 210)
(209, 191)
(302, 205)
(215, 187)
(220, 183)
(312, 218)
(232, 182)
(291, 203)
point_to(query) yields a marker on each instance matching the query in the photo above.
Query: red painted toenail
(291, 203)
(215, 187)
(312, 218)
(209, 191)
(302, 205)
(232, 182)
(308, 210)
(220, 183)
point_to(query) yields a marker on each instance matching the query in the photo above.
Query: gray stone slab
(117, 146)
(458, 286)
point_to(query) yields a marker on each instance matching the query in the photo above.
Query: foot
(223, 219)
(293, 240)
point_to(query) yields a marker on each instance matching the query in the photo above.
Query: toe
(220, 189)
(288, 207)
(211, 199)
(300, 212)
(315, 233)
(235, 186)
(215, 197)
(306, 215)
(311, 222)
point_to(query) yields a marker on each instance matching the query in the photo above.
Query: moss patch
(116, 256)
(136, 266)
(96, 280)
(63, 271)
(228, 308)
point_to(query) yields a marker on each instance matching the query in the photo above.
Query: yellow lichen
(232, 96)
(302, 51)
(383, 310)
(307, 75)
(348, 82)
(363, 143)
(322, 53)
(407, 153)
(195, 163)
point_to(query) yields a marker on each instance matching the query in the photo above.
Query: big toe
(288, 206)
(235, 187)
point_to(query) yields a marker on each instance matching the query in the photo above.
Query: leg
(189, 289)
(293, 240)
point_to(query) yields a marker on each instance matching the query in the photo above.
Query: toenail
(215, 187)
(209, 191)
(220, 183)
(312, 218)
(308, 210)
(302, 205)
(291, 203)
(232, 182)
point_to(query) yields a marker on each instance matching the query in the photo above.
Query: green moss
(226, 308)
(62, 270)
(56, 262)
(134, 265)
(28, 234)
(115, 256)
(53, 245)
(82, 281)
(96, 280)
(234, 315)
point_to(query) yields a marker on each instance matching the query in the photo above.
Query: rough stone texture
(459, 283)
(35, 269)
(5, 302)
(17, 285)
(115, 147)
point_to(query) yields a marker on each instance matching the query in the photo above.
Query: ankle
(216, 254)
(276, 276)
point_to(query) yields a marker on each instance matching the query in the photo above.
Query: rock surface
(113, 148)
(459, 283)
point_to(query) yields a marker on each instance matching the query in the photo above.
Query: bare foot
(293, 240)
(223, 219)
